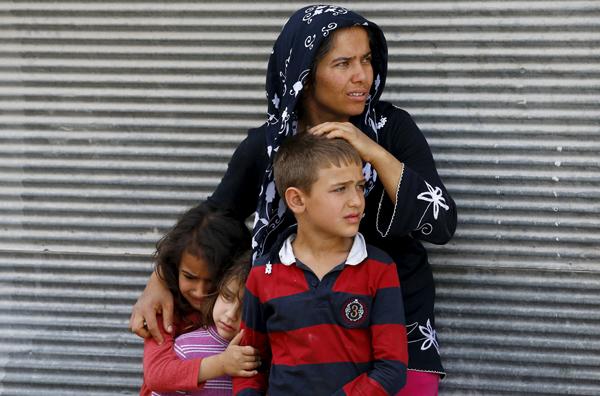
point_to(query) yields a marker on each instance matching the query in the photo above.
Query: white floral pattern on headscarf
(289, 66)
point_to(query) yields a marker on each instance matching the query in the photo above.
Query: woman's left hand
(366, 147)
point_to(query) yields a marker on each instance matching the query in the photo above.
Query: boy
(324, 309)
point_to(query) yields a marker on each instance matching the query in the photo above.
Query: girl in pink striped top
(211, 340)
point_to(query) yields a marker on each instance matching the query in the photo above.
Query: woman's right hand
(240, 361)
(156, 299)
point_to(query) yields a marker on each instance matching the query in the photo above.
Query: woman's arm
(416, 200)
(155, 299)
(236, 194)
(388, 167)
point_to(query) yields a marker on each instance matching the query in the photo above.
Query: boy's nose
(356, 199)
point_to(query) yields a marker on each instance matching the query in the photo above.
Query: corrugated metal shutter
(116, 116)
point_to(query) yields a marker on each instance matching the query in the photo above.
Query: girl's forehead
(233, 284)
(233, 287)
(195, 264)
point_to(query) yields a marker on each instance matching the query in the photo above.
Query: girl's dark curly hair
(205, 233)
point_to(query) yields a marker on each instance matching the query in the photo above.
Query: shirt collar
(358, 251)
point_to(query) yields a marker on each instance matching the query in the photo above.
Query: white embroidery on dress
(435, 197)
(370, 175)
(381, 122)
(272, 119)
(276, 101)
(318, 10)
(285, 117)
(429, 336)
(328, 28)
(283, 75)
(298, 85)
(310, 41)
(377, 82)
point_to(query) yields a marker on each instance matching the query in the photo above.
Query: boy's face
(336, 202)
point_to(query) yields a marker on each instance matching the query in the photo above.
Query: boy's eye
(339, 189)
(361, 187)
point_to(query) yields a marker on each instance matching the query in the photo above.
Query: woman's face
(342, 80)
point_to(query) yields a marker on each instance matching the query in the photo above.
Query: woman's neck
(309, 121)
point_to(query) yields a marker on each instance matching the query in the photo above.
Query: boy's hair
(204, 233)
(238, 273)
(300, 157)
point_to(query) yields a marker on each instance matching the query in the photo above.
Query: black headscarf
(289, 65)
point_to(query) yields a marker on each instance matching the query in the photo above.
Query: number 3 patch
(355, 311)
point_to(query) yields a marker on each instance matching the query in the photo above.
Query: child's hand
(240, 361)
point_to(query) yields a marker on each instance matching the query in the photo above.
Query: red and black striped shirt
(343, 334)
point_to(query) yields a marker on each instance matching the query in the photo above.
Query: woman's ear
(294, 198)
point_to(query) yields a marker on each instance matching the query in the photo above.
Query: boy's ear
(294, 198)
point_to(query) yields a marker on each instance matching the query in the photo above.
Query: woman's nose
(360, 73)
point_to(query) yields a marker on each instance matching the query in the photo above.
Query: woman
(325, 76)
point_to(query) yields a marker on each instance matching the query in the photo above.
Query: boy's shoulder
(263, 260)
(376, 254)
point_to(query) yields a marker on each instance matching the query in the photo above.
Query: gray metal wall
(116, 116)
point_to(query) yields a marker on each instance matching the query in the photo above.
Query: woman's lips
(357, 96)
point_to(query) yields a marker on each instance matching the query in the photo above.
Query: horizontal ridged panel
(535, 333)
(116, 116)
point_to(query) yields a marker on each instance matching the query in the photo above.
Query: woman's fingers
(151, 326)
(136, 325)
(347, 131)
(328, 128)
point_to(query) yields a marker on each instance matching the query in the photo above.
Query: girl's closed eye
(227, 309)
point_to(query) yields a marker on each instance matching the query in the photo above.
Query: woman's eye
(361, 187)
(366, 60)
(339, 189)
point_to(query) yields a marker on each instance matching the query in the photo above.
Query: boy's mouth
(354, 217)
